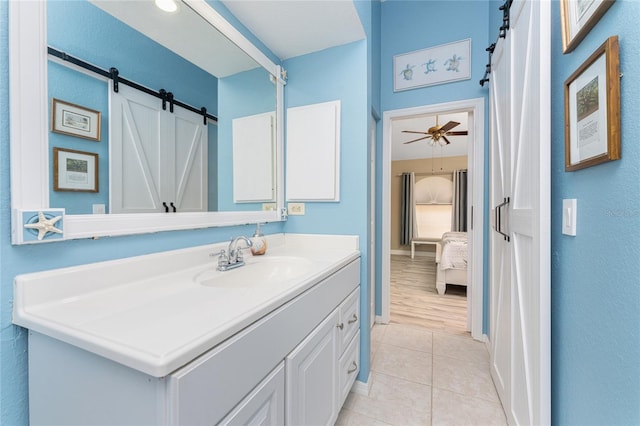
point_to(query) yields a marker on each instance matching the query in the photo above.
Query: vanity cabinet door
(264, 405)
(311, 371)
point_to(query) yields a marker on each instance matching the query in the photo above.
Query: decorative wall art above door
(441, 64)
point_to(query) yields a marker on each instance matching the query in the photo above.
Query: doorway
(475, 212)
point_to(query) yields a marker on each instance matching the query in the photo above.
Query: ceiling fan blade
(450, 125)
(419, 139)
(411, 131)
(446, 140)
(460, 133)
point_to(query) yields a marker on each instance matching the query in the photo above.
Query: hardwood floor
(414, 299)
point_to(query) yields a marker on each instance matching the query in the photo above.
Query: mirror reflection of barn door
(156, 157)
(520, 242)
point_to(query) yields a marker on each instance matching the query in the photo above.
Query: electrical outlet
(268, 207)
(98, 209)
(296, 209)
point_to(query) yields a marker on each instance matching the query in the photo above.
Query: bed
(432, 220)
(452, 258)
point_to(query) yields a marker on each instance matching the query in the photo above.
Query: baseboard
(418, 253)
(380, 320)
(362, 388)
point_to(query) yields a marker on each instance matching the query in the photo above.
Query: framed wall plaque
(74, 120)
(75, 170)
(577, 19)
(592, 109)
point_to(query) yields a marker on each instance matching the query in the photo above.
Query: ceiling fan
(437, 132)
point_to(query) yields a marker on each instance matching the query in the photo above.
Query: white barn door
(520, 194)
(157, 159)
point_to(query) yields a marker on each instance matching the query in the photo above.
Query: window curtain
(408, 213)
(459, 208)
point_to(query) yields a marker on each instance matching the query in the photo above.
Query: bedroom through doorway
(430, 264)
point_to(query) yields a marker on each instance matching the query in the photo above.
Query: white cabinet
(305, 352)
(322, 369)
(254, 178)
(313, 152)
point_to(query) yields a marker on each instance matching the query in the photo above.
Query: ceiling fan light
(168, 6)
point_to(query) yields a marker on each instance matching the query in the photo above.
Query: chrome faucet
(232, 258)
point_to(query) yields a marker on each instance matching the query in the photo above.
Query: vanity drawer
(348, 368)
(349, 322)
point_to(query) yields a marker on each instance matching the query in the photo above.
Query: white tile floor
(424, 377)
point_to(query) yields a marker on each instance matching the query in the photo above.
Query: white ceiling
(296, 27)
(183, 32)
(288, 28)
(423, 149)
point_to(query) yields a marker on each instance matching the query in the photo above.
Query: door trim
(476, 151)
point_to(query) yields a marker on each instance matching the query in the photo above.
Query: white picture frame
(441, 64)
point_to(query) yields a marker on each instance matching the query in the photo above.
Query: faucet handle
(223, 259)
(239, 255)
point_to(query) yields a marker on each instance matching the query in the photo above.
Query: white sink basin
(256, 273)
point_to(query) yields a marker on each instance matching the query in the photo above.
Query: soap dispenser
(259, 243)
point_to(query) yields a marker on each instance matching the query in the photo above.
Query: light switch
(569, 214)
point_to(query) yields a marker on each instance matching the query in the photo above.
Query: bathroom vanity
(166, 339)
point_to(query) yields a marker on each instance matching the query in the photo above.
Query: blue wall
(414, 25)
(339, 74)
(595, 276)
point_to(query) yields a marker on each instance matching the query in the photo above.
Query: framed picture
(75, 170)
(578, 17)
(435, 65)
(74, 120)
(592, 109)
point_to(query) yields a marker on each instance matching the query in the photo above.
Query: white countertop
(149, 313)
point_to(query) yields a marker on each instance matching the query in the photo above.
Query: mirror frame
(29, 134)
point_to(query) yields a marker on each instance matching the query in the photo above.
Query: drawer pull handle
(353, 368)
(353, 319)
(340, 326)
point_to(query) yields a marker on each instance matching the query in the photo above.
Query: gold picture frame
(75, 120)
(578, 17)
(75, 171)
(592, 109)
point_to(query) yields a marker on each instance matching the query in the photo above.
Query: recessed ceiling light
(167, 5)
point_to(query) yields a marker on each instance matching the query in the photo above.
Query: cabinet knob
(340, 326)
(353, 319)
(353, 368)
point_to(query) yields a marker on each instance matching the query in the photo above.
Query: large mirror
(118, 161)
